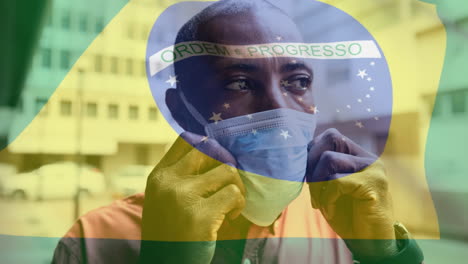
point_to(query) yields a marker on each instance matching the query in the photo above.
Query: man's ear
(180, 113)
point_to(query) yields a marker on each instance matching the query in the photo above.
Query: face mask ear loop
(194, 112)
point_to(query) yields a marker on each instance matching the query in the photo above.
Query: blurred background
(68, 150)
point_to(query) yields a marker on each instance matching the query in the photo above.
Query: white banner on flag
(331, 50)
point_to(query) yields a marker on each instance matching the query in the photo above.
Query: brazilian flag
(59, 55)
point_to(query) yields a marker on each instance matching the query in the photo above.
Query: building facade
(100, 113)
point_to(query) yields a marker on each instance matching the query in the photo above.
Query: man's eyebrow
(289, 67)
(242, 67)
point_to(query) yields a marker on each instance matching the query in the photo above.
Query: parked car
(56, 180)
(6, 171)
(130, 179)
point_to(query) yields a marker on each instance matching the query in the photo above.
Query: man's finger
(205, 156)
(227, 201)
(215, 179)
(363, 186)
(333, 140)
(333, 163)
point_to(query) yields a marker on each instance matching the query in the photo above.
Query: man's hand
(187, 197)
(349, 186)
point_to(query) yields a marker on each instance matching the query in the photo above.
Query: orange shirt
(112, 234)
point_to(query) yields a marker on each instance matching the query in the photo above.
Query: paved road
(37, 227)
(43, 218)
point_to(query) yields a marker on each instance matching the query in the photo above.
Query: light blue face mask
(271, 152)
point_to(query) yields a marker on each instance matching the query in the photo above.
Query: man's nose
(273, 97)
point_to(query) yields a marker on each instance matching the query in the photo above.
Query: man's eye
(298, 83)
(238, 85)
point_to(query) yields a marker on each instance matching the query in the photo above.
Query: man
(197, 208)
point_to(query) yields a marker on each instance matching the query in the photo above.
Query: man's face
(237, 87)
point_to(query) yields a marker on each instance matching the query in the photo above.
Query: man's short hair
(190, 30)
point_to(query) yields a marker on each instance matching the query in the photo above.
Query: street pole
(79, 124)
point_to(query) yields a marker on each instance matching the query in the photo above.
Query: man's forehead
(280, 64)
(250, 27)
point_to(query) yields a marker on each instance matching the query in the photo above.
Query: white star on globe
(359, 124)
(372, 88)
(372, 63)
(369, 79)
(250, 117)
(285, 134)
(362, 73)
(254, 132)
(172, 80)
(216, 118)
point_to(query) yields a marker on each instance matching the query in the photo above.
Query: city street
(43, 218)
(38, 225)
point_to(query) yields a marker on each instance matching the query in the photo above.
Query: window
(99, 25)
(41, 105)
(129, 64)
(338, 72)
(338, 75)
(152, 113)
(133, 112)
(142, 153)
(66, 108)
(145, 33)
(46, 55)
(91, 109)
(113, 111)
(49, 19)
(437, 110)
(65, 59)
(114, 65)
(66, 20)
(458, 102)
(83, 23)
(98, 63)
